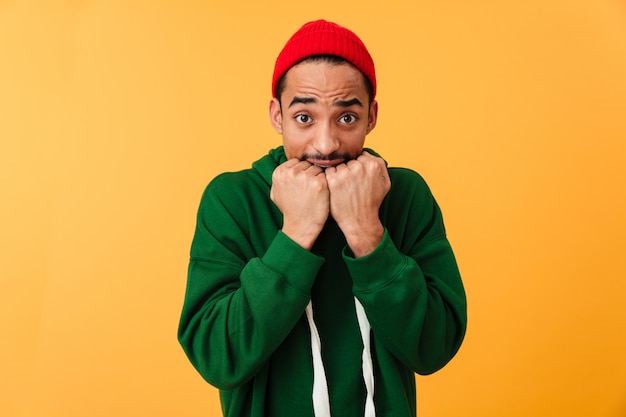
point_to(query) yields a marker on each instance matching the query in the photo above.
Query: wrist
(362, 242)
(305, 237)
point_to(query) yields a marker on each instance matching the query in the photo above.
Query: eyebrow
(348, 103)
(301, 100)
(340, 103)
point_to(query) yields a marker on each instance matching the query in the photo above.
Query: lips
(325, 163)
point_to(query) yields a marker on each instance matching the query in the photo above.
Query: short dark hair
(329, 59)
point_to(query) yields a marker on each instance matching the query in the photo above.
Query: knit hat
(324, 38)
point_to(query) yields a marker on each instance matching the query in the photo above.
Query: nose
(326, 141)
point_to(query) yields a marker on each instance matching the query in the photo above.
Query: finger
(303, 165)
(344, 167)
(368, 158)
(330, 170)
(312, 169)
(357, 167)
(290, 163)
(373, 163)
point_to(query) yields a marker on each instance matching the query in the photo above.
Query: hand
(357, 190)
(300, 191)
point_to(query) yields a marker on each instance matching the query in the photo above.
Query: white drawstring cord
(321, 402)
(368, 370)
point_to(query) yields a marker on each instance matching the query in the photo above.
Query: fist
(300, 191)
(357, 190)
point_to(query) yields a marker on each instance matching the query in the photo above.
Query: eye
(348, 119)
(303, 118)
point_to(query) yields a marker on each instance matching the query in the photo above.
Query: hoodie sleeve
(239, 304)
(410, 286)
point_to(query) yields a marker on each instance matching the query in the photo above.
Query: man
(320, 281)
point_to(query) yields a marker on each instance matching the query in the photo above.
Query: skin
(324, 119)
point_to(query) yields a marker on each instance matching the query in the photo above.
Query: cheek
(290, 153)
(354, 142)
(294, 143)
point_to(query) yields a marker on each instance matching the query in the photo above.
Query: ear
(372, 116)
(276, 116)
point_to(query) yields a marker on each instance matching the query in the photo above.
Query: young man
(320, 281)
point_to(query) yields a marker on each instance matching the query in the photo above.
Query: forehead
(324, 78)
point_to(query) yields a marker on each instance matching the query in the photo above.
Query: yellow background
(115, 114)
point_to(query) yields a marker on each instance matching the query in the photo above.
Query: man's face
(325, 113)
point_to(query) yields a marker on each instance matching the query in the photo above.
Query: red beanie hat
(324, 38)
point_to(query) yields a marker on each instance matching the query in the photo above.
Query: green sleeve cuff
(376, 269)
(297, 266)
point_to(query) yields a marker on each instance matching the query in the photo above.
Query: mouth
(324, 163)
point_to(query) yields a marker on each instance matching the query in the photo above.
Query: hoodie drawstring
(321, 402)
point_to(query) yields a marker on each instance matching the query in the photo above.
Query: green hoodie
(243, 325)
